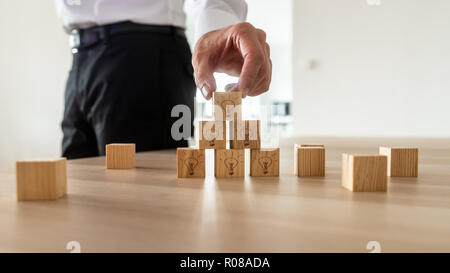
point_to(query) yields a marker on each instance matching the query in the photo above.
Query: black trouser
(122, 90)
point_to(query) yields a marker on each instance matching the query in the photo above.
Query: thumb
(204, 79)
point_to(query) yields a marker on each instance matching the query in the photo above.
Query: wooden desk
(149, 210)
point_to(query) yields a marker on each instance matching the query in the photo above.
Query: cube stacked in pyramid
(243, 134)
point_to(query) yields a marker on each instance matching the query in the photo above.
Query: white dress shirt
(209, 14)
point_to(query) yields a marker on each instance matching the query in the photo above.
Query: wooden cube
(211, 135)
(229, 163)
(41, 180)
(401, 161)
(227, 106)
(190, 163)
(245, 134)
(120, 156)
(265, 162)
(312, 145)
(364, 173)
(309, 160)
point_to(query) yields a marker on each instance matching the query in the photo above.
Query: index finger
(254, 58)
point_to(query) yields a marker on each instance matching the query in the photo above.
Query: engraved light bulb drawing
(191, 163)
(265, 163)
(226, 104)
(231, 164)
(211, 136)
(247, 138)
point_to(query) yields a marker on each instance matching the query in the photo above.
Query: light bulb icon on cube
(191, 163)
(247, 139)
(227, 104)
(265, 162)
(231, 164)
(210, 135)
(211, 138)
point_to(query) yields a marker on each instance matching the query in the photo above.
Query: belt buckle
(74, 40)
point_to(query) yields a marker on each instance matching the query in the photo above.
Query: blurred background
(360, 68)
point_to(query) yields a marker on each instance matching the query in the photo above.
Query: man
(132, 64)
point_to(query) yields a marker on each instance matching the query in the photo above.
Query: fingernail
(204, 91)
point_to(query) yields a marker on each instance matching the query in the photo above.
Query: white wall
(34, 62)
(371, 70)
(275, 18)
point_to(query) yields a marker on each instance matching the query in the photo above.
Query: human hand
(237, 50)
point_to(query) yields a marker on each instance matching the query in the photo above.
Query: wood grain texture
(312, 145)
(309, 160)
(402, 162)
(265, 162)
(208, 137)
(364, 173)
(190, 163)
(147, 209)
(120, 156)
(227, 106)
(229, 163)
(245, 134)
(41, 180)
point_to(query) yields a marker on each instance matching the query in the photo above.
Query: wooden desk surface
(149, 210)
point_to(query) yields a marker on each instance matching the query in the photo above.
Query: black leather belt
(83, 38)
